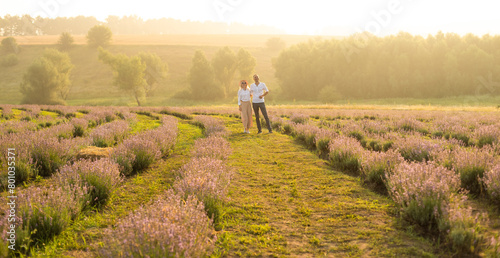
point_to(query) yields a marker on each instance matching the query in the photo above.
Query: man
(259, 91)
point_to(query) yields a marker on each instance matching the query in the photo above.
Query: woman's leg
(247, 109)
(244, 115)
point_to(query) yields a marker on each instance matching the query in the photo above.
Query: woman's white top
(243, 95)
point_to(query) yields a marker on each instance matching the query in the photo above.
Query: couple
(256, 94)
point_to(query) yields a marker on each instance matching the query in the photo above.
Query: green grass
(84, 236)
(286, 201)
(144, 123)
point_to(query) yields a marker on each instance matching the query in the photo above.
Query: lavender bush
(164, 136)
(171, 227)
(80, 125)
(299, 118)
(7, 112)
(345, 154)
(414, 148)
(462, 227)
(46, 212)
(471, 164)
(101, 177)
(486, 135)
(109, 134)
(135, 154)
(423, 192)
(491, 182)
(305, 133)
(208, 179)
(214, 147)
(211, 125)
(322, 140)
(14, 126)
(375, 166)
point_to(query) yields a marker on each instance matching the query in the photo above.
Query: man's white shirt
(258, 91)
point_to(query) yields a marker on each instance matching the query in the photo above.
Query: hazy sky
(334, 17)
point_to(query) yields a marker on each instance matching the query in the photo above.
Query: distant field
(185, 40)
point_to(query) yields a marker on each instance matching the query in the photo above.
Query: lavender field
(186, 182)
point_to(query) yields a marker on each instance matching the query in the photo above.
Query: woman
(244, 97)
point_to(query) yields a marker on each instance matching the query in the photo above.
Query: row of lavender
(180, 222)
(30, 117)
(42, 152)
(427, 178)
(84, 185)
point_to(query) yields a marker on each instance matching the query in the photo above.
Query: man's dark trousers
(262, 107)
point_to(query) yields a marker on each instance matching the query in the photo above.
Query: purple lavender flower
(109, 134)
(101, 177)
(491, 181)
(214, 147)
(212, 125)
(423, 192)
(170, 227)
(204, 177)
(345, 154)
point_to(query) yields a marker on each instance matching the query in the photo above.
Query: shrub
(100, 177)
(345, 154)
(164, 136)
(46, 212)
(423, 192)
(306, 134)
(212, 147)
(109, 134)
(299, 118)
(80, 125)
(48, 155)
(415, 149)
(208, 179)
(487, 135)
(471, 166)
(171, 227)
(135, 154)
(375, 166)
(491, 181)
(9, 45)
(211, 126)
(9, 60)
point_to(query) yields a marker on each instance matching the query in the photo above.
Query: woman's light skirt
(246, 114)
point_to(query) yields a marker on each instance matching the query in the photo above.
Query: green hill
(92, 81)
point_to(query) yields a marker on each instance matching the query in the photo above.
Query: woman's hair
(245, 81)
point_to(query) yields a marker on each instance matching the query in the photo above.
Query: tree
(156, 70)
(63, 65)
(246, 63)
(129, 73)
(65, 41)
(202, 80)
(47, 79)
(275, 44)
(9, 45)
(99, 36)
(225, 64)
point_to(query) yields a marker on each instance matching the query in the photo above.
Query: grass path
(83, 237)
(285, 201)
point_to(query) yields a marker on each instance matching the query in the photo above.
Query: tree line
(15, 25)
(402, 65)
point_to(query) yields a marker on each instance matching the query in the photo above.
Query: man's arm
(265, 93)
